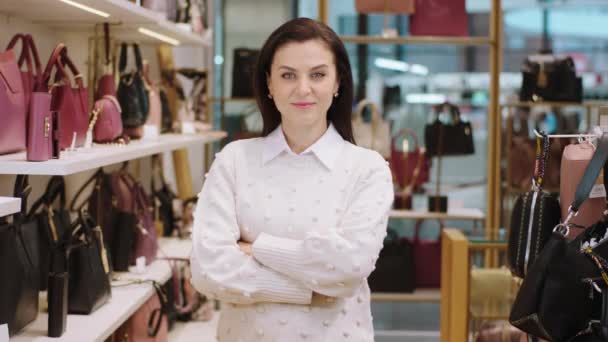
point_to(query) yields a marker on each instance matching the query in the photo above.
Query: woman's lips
(303, 105)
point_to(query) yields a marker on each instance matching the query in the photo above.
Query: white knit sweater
(316, 220)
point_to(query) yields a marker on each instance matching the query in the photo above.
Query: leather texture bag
(132, 94)
(410, 166)
(108, 126)
(374, 135)
(550, 78)
(449, 139)
(439, 18)
(394, 270)
(148, 323)
(13, 102)
(72, 104)
(427, 259)
(556, 299)
(19, 263)
(574, 161)
(163, 199)
(385, 6)
(498, 331)
(242, 71)
(89, 269)
(534, 216)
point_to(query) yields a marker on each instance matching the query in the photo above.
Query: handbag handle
(25, 55)
(55, 188)
(586, 184)
(106, 40)
(97, 178)
(58, 59)
(375, 112)
(542, 157)
(122, 64)
(21, 190)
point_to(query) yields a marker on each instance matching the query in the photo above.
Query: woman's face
(302, 82)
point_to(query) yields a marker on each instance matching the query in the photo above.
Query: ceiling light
(425, 98)
(159, 36)
(86, 8)
(391, 64)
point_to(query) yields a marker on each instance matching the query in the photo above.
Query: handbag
(439, 18)
(19, 261)
(154, 112)
(12, 101)
(163, 199)
(491, 292)
(107, 120)
(148, 323)
(427, 259)
(498, 331)
(534, 216)
(375, 135)
(556, 299)
(242, 71)
(72, 104)
(449, 139)
(385, 6)
(89, 269)
(550, 78)
(410, 167)
(132, 94)
(105, 85)
(575, 159)
(394, 270)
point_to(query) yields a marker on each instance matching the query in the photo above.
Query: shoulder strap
(95, 178)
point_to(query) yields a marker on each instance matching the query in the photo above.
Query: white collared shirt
(317, 221)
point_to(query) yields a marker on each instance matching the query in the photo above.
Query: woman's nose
(303, 86)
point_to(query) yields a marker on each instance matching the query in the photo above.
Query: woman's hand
(245, 247)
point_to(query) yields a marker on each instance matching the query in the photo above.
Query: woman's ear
(268, 83)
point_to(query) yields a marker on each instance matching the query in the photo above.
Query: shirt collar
(326, 148)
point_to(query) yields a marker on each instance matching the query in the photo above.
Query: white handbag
(374, 135)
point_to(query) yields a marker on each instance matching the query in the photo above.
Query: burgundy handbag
(12, 102)
(106, 85)
(385, 6)
(427, 259)
(71, 103)
(108, 126)
(439, 18)
(405, 164)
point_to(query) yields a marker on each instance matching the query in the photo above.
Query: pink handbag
(385, 6)
(108, 126)
(106, 85)
(71, 103)
(12, 102)
(439, 18)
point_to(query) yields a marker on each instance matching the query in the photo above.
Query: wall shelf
(466, 41)
(586, 104)
(100, 155)
(9, 205)
(129, 16)
(470, 214)
(419, 295)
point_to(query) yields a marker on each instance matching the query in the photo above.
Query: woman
(289, 226)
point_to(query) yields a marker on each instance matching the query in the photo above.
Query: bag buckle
(564, 228)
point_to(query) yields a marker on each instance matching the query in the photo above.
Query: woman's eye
(318, 75)
(288, 76)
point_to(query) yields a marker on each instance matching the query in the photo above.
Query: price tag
(598, 189)
(3, 332)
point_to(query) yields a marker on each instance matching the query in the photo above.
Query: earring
(336, 94)
(270, 96)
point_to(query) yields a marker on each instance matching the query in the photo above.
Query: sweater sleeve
(219, 268)
(337, 260)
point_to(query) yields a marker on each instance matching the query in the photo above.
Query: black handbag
(242, 71)
(556, 299)
(131, 93)
(58, 218)
(394, 270)
(89, 268)
(549, 78)
(19, 265)
(163, 199)
(534, 216)
(449, 139)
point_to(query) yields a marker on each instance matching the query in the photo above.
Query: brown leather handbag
(148, 323)
(71, 103)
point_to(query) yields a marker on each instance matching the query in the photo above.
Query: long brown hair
(300, 30)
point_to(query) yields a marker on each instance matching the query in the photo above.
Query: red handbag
(385, 6)
(439, 18)
(71, 103)
(108, 126)
(427, 259)
(106, 85)
(12, 101)
(410, 169)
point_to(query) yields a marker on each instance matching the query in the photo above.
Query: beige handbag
(374, 135)
(492, 291)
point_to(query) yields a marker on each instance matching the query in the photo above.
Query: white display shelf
(101, 155)
(102, 323)
(174, 247)
(127, 16)
(9, 205)
(469, 214)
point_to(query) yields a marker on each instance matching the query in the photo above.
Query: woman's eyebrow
(313, 68)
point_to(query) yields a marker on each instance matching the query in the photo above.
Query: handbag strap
(97, 177)
(542, 158)
(25, 55)
(122, 64)
(21, 190)
(106, 41)
(55, 188)
(589, 177)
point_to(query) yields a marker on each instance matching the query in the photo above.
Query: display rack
(101, 155)
(432, 40)
(129, 17)
(419, 295)
(9, 205)
(466, 214)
